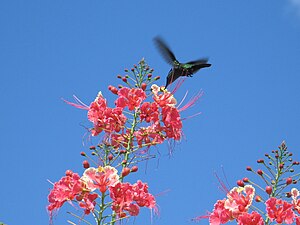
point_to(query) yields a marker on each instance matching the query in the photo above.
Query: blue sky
(54, 49)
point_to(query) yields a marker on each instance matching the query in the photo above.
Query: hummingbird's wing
(167, 54)
(199, 61)
(194, 66)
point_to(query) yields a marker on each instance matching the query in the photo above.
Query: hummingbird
(179, 69)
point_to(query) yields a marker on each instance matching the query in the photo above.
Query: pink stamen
(192, 101)
(79, 104)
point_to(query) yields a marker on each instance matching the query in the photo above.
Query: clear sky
(54, 49)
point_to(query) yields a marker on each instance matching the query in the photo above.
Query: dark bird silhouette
(178, 69)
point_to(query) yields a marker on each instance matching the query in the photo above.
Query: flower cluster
(278, 205)
(158, 120)
(82, 190)
(141, 117)
(124, 195)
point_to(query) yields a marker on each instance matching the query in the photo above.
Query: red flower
(172, 122)
(163, 99)
(88, 202)
(280, 210)
(131, 98)
(142, 196)
(250, 219)
(150, 135)
(220, 215)
(296, 202)
(124, 195)
(297, 220)
(100, 178)
(64, 190)
(105, 118)
(238, 203)
(149, 112)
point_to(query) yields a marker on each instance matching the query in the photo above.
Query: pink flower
(149, 112)
(220, 215)
(238, 203)
(250, 219)
(124, 195)
(105, 118)
(164, 99)
(150, 135)
(297, 220)
(100, 178)
(280, 210)
(133, 209)
(142, 196)
(172, 122)
(296, 202)
(88, 202)
(131, 98)
(64, 190)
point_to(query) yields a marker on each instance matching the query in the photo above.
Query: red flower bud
(144, 86)
(110, 157)
(113, 89)
(260, 172)
(281, 166)
(260, 161)
(245, 179)
(119, 76)
(276, 156)
(240, 183)
(258, 198)
(125, 171)
(157, 78)
(122, 151)
(149, 75)
(294, 181)
(134, 169)
(268, 190)
(124, 161)
(92, 147)
(289, 180)
(290, 154)
(85, 164)
(69, 173)
(288, 194)
(82, 153)
(248, 168)
(124, 79)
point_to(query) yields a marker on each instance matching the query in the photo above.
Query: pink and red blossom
(130, 98)
(104, 118)
(237, 202)
(280, 211)
(253, 218)
(127, 197)
(64, 190)
(220, 214)
(100, 178)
